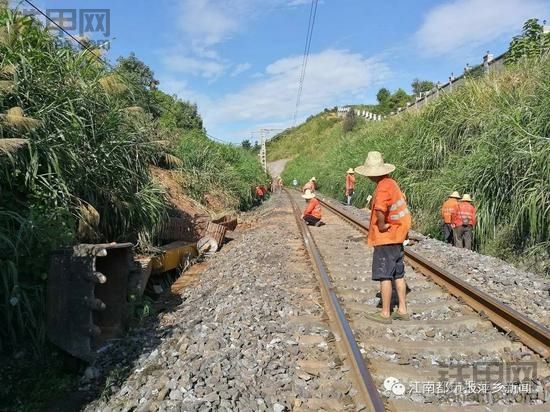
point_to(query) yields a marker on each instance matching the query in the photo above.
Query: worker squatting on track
(459, 219)
(389, 226)
(350, 185)
(312, 212)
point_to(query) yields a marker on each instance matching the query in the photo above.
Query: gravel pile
(526, 292)
(249, 335)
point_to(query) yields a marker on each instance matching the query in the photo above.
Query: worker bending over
(310, 185)
(464, 220)
(446, 214)
(389, 226)
(312, 212)
(350, 185)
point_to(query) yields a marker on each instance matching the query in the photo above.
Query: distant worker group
(459, 219)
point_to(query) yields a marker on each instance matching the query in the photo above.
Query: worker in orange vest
(389, 227)
(350, 185)
(312, 212)
(446, 214)
(463, 221)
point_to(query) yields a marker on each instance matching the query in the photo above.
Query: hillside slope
(489, 138)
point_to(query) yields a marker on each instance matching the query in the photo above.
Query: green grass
(490, 138)
(229, 173)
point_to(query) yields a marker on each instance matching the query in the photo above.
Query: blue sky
(239, 60)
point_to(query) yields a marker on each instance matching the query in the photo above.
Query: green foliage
(488, 138)
(245, 144)
(83, 147)
(383, 96)
(77, 141)
(177, 114)
(133, 68)
(222, 171)
(419, 86)
(388, 102)
(531, 44)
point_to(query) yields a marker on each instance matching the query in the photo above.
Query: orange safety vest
(396, 214)
(447, 210)
(350, 182)
(464, 214)
(313, 208)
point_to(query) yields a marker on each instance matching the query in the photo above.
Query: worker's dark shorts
(387, 262)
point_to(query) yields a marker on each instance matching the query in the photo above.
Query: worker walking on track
(446, 214)
(350, 185)
(463, 221)
(280, 183)
(389, 226)
(312, 212)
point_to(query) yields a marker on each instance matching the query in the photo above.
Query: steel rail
(366, 387)
(534, 335)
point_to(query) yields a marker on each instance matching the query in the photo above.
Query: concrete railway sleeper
(452, 353)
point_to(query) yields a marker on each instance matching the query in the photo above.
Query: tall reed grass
(76, 146)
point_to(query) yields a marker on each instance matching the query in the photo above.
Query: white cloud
(461, 24)
(205, 24)
(180, 63)
(240, 68)
(210, 22)
(331, 75)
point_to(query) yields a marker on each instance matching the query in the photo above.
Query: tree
(256, 146)
(176, 113)
(349, 121)
(420, 86)
(532, 43)
(246, 144)
(383, 95)
(137, 71)
(399, 99)
(134, 71)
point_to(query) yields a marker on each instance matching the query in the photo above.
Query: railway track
(461, 347)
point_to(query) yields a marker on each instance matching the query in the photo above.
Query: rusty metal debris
(87, 296)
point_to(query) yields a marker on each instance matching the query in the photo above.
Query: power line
(307, 47)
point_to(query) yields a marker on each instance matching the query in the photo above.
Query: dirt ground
(277, 167)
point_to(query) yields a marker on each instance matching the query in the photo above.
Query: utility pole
(263, 151)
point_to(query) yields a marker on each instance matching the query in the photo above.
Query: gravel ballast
(250, 334)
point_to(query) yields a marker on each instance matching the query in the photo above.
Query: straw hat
(313, 179)
(350, 170)
(466, 198)
(308, 194)
(455, 194)
(374, 166)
